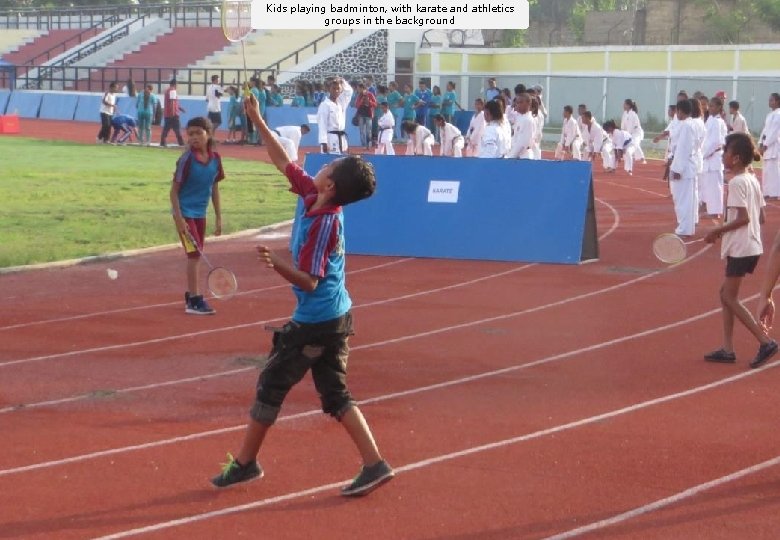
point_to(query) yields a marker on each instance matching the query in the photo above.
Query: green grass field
(63, 200)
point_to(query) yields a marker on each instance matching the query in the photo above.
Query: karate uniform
(494, 142)
(523, 137)
(684, 190)
(384, 143)
(452, 141)
(420, 143)
(712, 172)
(476, 127)
(570, 138)
(770, 138)
(630, 123)
(332, 121)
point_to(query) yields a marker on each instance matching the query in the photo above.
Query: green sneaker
(369, 479)
(233, 473)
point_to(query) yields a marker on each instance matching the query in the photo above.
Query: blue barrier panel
(4, 95)
(491, 209)
(88, 108)
(58, 106)
(25, 104)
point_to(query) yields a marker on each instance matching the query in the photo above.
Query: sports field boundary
(107, 257)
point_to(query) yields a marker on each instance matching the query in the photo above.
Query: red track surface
(516, 401)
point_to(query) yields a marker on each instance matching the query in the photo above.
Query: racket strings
(669, 249)
(222, 282)
(237, 20)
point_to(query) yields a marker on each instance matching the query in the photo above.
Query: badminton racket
(670, 248)
(237, 25)
(221, 282)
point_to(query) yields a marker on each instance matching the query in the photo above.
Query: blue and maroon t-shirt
(318, 249)
(196, 181)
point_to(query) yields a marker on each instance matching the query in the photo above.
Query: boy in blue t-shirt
(316, 337)
(196, 180)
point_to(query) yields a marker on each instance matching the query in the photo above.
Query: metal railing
(190, 81)
(48, 72)
(177, 14)
(71, 42)
(277, 66)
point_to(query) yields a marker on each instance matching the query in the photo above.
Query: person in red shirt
(365, 103)
(171, 110)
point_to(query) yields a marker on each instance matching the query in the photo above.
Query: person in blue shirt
(411, 104)
(424, 95)
(145, 105)
(316, 337)
(275, 98)
(196, 180)
(125, 125)
(449, 102)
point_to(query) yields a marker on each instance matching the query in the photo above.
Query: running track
(515, 400)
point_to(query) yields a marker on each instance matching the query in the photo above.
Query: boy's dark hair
(409, 126)
(673, 106)
(354, 180)
(495, 109)
(582, 106)
(520, 89)
(742, 146)
(587, 114)
(205, 124)
(734, 105)
(305, 126)
(438, 117)
(610, 124)
(695, 108)
(201, 122)
(685, 106)
(568, 109)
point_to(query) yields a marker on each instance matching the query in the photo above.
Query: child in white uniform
(630, 123)
(452, 141)
(770, 149)
(386, 125)
(712, 150)
(420, 139)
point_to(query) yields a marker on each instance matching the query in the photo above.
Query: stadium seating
(12, 39)
(29, 53)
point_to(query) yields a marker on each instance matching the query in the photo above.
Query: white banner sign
(443, 191)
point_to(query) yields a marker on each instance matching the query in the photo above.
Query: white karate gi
(332, 121)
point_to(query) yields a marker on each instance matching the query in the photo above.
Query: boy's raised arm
(275, 151)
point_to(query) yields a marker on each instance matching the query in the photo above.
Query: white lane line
(668, 501)
(70, 399)
(655, 194)
(169, 304)
(385, 397)
(277, 319)
(465, 452)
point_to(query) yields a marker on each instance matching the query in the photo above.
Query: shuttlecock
(112, 274)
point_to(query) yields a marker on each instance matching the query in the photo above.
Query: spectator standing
(145, 105)
(107, 110)
(171, 110)
(214, 94)
(365, 103)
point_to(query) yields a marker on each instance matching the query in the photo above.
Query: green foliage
(769, 11)
(727, 23)
(514, 38)
(64, 200)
